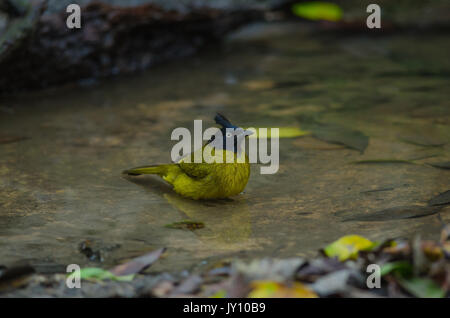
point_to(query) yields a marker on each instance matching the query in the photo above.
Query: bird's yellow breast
(212, 180)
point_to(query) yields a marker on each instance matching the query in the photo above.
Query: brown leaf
(445, 238)
(394, 213)
(162, 289)
(432, 250)
(319, 267)
(138, 264)
(399, 249)
(186, 224)
(441, 199)
(441, 165)
(188, 286)
(11, 139)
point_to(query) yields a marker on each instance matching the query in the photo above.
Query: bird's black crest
(223, 121)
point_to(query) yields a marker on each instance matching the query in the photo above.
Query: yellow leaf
(432, 250)
(271, 289)
(348, 247)
(259, 84)
(318, 11)
(219, 294)
(283, 132)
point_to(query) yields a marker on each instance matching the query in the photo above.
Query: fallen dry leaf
(138, 264)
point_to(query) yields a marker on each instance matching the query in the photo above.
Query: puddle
(62, 184)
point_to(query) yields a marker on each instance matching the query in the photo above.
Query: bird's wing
(195, 170)
(192, 169)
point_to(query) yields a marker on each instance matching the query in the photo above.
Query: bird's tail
(154, 169)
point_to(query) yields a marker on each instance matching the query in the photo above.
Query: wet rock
(38, 50)
(14, 277)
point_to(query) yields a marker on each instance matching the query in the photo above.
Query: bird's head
(232, 136)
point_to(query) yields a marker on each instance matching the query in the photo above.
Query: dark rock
(38, 50)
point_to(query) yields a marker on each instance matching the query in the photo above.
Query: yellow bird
(208, 179)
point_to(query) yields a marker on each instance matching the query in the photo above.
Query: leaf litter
(408, 268)
(336, 134)
(434, 205)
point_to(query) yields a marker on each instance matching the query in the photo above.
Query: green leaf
(318, 11)
(421, 287)
(99, 274)
(403, 268)
(348, 247)
(219, 294)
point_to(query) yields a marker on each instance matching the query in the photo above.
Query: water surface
(63, 184)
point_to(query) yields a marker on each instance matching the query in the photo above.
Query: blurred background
(118, 37)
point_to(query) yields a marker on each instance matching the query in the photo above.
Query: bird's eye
(228, 134)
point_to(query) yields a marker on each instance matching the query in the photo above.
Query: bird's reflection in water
(227, 221)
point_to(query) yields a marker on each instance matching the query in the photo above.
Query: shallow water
(63, 184)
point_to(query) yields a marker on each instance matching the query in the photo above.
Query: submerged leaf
(272, 289)
(336, 134)
(283, 132)
(423, 141)
(441, 165)
(378, 190)
(186, 225)
(318, 10)
(348, 247)
(441, 199)
(375, 161)
(394, 213)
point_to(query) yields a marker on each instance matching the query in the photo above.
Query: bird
(207, 180)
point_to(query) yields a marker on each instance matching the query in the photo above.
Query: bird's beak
(248, 132)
